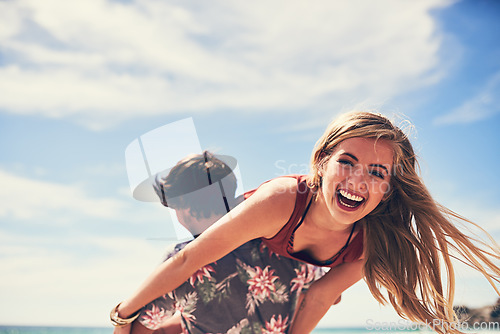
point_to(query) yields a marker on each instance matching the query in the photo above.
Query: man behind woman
(251, 290)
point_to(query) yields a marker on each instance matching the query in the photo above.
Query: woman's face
(356, 177)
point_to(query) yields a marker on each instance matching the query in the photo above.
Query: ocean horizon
(108, 330)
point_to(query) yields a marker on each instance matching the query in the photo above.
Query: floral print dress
(250, 290)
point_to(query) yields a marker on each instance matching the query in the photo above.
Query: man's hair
(196, 171)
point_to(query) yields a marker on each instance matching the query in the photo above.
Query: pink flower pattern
(262, 282)
(276, 326)
(186, 306)
(270, 284)
(305, 276)
(154, 317)
(200, 274)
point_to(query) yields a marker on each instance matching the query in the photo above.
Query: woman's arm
(322, 294)
(262, 215)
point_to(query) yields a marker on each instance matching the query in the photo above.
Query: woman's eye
(346, 162)
(377, 174)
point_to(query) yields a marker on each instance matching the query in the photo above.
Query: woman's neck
(321, 218)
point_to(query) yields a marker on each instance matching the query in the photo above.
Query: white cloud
(70, 287)
(102, 62)
(481, 106)
(72, 275)
(29, 199)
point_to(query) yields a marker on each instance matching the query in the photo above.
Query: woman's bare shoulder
(275, 201)
(279, 191)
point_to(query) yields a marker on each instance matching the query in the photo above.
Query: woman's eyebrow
(350, 155)
(381, 166)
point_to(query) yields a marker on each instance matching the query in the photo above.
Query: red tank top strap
(279, 243)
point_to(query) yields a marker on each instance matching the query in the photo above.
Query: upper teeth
(351, 196)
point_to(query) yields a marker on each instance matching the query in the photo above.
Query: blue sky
(81, 80)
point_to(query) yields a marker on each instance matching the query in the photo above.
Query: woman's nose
(357, 180)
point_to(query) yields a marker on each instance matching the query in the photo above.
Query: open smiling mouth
(349, 201)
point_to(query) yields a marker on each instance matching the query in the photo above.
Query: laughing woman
(363, 211)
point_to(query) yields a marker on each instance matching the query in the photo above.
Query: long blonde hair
(409, 236)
